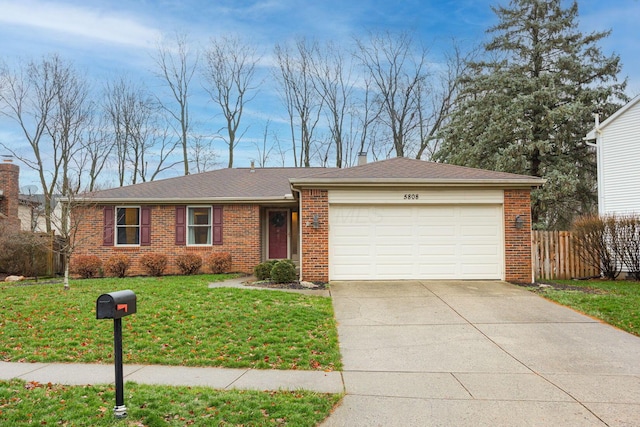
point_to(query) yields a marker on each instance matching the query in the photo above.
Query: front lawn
(180, 321)
(31, 403)
(615, 302)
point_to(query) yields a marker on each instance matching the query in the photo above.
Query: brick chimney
(9, 189)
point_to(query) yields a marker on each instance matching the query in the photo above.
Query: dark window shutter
(181, 225)
(145, 226)
(217, 225)
(107, 228)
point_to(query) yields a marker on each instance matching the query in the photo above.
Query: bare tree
(397, 70)
(76, 208)
(201, 153)
(176, 65)
(49, 102)
(231, 74)
(264, 148)
(142, 140)
(98, 147)
(304, 105)
(332, 79)
(437, 99)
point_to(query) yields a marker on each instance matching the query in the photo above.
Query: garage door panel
(395, 251)
(427, 251)
(383, 231)
(479, 230)
(416, 242)
(433, 230)
(469, 269)
(490, 252)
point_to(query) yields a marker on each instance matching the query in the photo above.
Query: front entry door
(278, 236)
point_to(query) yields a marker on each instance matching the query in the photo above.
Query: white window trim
(116, 226)
(189, 225)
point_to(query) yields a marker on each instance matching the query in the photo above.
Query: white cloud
(77, 21)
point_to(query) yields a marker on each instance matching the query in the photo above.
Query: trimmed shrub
(284, 272)
(153, 264)
(219, 262)
(262, 271)
(189, 263)
(117, 265)
(86, 266)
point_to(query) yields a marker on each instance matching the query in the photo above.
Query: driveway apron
(434, 353)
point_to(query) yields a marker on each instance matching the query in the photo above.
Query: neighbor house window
(128, 226)
(199, 225)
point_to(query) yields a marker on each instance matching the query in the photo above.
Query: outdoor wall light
(316, 221)
(519, 222)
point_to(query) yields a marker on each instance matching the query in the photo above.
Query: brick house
(393, 219)
(9, 194)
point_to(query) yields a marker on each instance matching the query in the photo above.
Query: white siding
(619, 164)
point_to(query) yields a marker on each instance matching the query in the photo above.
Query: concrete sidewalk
(219, 378)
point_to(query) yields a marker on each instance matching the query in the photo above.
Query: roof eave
(193, 200)
(593, 133)
(394, 182)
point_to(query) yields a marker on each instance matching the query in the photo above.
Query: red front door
(278, 226)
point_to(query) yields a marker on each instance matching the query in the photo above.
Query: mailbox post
(116, 305)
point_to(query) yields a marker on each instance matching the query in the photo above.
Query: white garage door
(415, 242)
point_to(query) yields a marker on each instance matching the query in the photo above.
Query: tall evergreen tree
(527, 108)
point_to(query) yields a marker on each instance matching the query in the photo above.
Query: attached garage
(431, 235)
(410, 219)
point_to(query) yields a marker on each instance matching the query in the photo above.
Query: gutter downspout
(299, 225)
(598, 146)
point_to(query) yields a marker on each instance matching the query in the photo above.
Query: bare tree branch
(230, 71)
(176, 65)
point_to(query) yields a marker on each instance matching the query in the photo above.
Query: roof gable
(593, 133)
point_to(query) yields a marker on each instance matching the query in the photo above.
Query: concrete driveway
(427, 353)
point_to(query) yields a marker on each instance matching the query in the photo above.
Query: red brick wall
(240, 237)
(517, 242)
(315, 241)
(9, 184)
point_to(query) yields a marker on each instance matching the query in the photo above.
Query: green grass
(615, 302)
(48, 404)
(180, 321)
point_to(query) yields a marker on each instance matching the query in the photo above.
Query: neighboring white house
(32, 216)
(617, 141)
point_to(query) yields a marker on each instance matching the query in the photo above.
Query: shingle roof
(404, 170)
(222, 184)
(274, 184)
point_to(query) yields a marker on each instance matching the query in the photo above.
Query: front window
(127, 226)
(199, 225)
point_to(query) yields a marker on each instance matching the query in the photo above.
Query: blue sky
(105, 38)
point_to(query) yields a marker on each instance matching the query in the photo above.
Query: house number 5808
(411, 196)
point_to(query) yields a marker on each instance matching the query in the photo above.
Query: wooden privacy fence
(556, 256)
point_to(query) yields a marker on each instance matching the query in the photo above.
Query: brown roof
(274, 184)
(241, 184)
(402, 170)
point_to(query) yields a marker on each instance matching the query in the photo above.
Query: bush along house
(392, 219)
